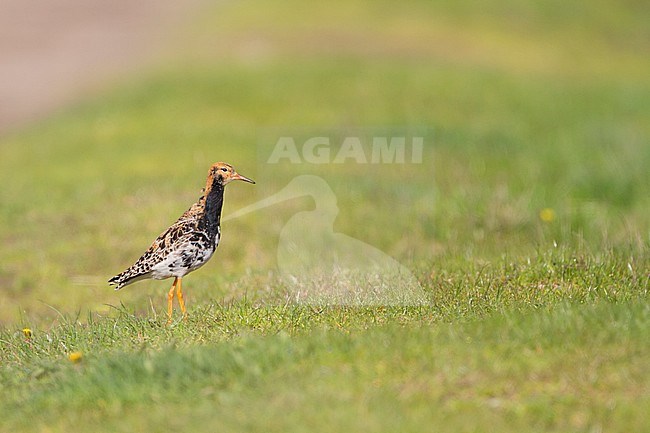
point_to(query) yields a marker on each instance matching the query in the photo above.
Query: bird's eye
(224, 169)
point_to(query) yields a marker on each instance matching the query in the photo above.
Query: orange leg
(170, 300)
(179, 294)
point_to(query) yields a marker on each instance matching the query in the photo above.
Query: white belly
(181, 262)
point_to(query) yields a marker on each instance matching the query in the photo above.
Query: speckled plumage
(179, 250)
(191, 241)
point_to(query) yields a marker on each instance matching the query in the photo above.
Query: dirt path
(52, 53)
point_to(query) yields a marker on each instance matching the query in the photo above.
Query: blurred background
(55, 53)
(110, 114)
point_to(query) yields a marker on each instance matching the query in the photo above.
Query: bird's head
(225, 173)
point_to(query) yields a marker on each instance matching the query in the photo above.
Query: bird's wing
(157, 252)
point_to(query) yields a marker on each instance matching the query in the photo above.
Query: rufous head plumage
(225, 173)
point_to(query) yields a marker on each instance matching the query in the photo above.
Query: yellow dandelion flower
(75, 357)
(27, 332)
(547, 215)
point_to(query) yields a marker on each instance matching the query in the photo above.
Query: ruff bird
(188, 243)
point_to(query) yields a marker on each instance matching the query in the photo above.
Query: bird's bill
(238, 176)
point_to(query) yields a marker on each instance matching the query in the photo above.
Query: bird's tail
(117, 281)
(125, 278)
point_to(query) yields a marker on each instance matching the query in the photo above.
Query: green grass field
(527, 224)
